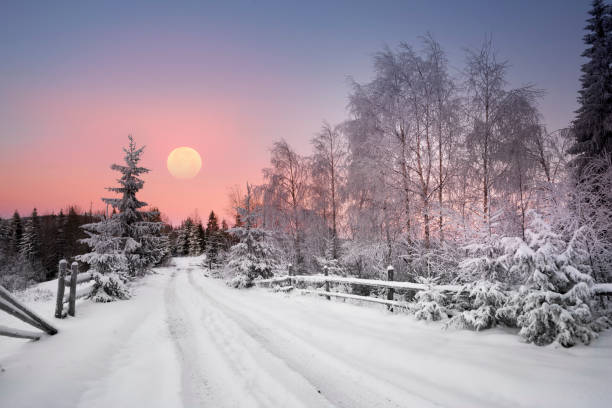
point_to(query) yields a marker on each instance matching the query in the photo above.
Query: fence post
(59, 304)
(73, 284)
(390, 291)
(326, 272)
(290, 272)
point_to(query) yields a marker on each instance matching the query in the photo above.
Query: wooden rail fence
(74, 293)
(287, 283)
(13, 307)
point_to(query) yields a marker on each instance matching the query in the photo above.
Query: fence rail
(289, 281)
(13, 307)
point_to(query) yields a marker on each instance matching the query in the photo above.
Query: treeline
(31, 247)
(453, 179)
(193, 239)
(430, 164)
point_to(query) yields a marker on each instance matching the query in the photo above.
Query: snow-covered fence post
(59, 304)
(73, 285)
(326, 272)
(390, 291)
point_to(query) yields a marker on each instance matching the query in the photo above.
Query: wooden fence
(74, 293)
(289, 282)
(13, 307)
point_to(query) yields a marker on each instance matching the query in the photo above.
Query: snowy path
(187, 340)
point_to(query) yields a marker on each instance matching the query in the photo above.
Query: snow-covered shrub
(438, 260)
(477, 304)
(240, 281)
(554, 304)
(545, 316)
(254, 255)
(429, 303)
(487, 260)
(366, 260)
(108, 288)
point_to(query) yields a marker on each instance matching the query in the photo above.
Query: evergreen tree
(4, 238)
(182, 239)
(29, 253)
(127, 242)
(253, 256)
(212, 239)
(593, 124)
(60, 241)
(16, 230)
(72, 233)
(202, 237)
(195, 244)
(30, 245)
(556, 303)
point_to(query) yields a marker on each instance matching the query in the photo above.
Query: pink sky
(227, 80)
(69, 141)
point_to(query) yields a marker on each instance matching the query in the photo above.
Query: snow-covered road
(188, 340)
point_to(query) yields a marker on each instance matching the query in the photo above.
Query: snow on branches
(253, 256)
(129, 241)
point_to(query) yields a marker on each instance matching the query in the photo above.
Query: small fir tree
(253, 256)
(195, 243)
(212, 240)
(555, 303)
(127, 242)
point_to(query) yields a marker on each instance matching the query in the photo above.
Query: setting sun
(184, 162)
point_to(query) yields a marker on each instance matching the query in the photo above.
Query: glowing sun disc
(184, 162)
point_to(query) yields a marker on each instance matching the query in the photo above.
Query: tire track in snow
(400, 377)
(195, 389)
(338, 381)
(222, 366)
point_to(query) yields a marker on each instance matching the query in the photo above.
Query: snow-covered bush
(438, 260)
(554, 304)
(240, 281)
(254, 255)
(477, 304)
(429, 303)
(108, 288)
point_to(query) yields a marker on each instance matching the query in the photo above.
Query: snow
(188, 340)
(371, 282)
(603, 288)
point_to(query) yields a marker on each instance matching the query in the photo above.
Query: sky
(228, 80)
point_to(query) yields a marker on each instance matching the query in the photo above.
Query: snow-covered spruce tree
(195, 243)
(478, 303)
(127, 243)
(181, 246)
(16, 230)
(30, 244)
(253, 256)
(30, 249)
(429, 303)
(486, 255)
(213, 240)
(593, 124)
(554, 304)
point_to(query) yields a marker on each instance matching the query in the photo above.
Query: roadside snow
(188, 340)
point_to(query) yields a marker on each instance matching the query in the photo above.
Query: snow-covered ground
(188, 340)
